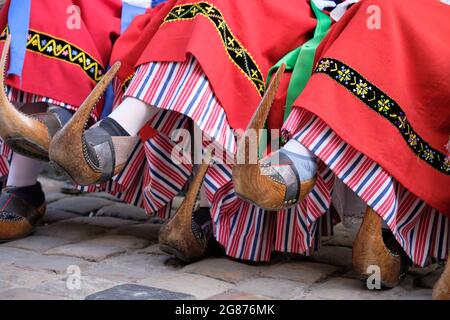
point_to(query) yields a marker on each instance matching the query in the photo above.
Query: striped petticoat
(20, 97)
(152, 180)
(422, 231)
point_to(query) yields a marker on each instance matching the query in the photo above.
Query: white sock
(23, 171)
(132, 114)
(296, 147)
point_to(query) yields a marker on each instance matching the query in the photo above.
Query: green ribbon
(301, 62)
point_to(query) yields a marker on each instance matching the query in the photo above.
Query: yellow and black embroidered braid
(127, 82)
(60, 49)
(235, 50)
(386, 107)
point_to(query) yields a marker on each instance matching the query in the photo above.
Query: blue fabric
(129, 12)
(19, 23)
(156, 2)
(109, 101)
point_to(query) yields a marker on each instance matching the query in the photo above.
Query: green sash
(301, 62)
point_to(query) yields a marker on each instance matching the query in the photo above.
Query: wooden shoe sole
(24, 134)
(369, 250)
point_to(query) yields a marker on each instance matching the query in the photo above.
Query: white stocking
(132, 114)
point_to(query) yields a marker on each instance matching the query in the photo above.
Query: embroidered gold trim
(386, 107)
(235, 50)
(60, 49)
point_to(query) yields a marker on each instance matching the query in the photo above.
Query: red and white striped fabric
(21, 97)
(5, 159)
(245, 231)
(421, 230)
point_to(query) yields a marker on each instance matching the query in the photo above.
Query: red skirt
(235, 42)
(61, 63)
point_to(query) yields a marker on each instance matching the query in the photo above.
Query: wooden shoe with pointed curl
(182, 236)
(269, 186)
(441, 290)
(26, 135)
(369, 249)
(94, 156)
(17, 217)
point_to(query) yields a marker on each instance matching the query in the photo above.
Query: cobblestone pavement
(114, 248)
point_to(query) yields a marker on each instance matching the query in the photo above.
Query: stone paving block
(237, 295)
(153, 249)
(54, 215)
(66, 288)
(70, 231)
(27, 294)
(337, 256)
(103, 222)
(55, 196)
(123, 211)
(430, 279)
(102, 195)
(273, 288)
(54, 263)
(126, 242)
(14, 276)
(116, 272)
(81, 205)
(146, 231)
(10, 255)
(421, 272)
(224, 269)
(137, 292)
(37, 243)
(196, 285)
(4, 285)
(87, 251)
(301, 272)
(131, 267)
(352, 289)
(157, 220)
(148, 264)
(343, 236)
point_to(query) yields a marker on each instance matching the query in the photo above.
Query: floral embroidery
(446, 164)
(385, 106)
(234, 49)
(413, 140)
(428, 154)
(323, 65)
(362, 88)
(50, 46)
(344, 75)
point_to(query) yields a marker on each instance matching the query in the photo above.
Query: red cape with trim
(386, 91)
(63, 63)
(235, 42)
